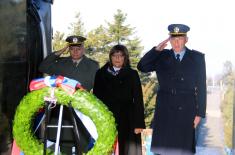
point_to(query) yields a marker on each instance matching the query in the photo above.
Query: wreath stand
(50, 102)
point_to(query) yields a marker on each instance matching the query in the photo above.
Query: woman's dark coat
(123, 96)
(181, 96)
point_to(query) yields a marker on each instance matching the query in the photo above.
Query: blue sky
(211, 22)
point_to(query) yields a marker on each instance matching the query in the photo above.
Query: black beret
(178, 29)
(75, 40)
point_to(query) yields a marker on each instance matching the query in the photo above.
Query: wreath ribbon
(67, 84)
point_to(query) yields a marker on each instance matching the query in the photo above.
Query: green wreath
(87, 103)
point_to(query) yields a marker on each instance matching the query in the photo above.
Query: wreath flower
(81, 100)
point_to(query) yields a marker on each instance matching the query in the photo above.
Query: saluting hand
(162, 45)
(62, 50)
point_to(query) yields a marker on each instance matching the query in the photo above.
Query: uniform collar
(181, 53)
(77, 62)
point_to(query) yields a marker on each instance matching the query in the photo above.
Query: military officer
(77, 66)
(181, 97)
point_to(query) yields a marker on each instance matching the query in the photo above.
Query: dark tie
(178, 57)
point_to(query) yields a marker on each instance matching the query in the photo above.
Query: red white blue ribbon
(67, 84)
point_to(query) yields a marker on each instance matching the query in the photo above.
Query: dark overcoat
(123, 96)
(180, 97)
(84, 72)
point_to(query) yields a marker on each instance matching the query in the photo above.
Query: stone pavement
(210, 139)
(209, 151)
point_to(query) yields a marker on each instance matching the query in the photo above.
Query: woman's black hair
(122, 49)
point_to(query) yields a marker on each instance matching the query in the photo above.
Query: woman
(119, 87)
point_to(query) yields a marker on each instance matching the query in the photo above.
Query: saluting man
(77, 66)
(181, 97)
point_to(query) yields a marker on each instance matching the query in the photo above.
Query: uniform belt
(174, 91)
